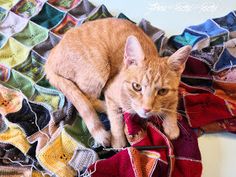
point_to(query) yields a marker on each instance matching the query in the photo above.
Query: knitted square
(45, 47)
(228, 22)
(98, 13)
(28, 8)
(67, 23)
(82, 9)
(10, 25)
(48, 17)
(64, 4)
(10, 100)
(32, 35)
(216, 33)
(15, 136)
(57, 153)
(8, 4)
(197, 40)
(13, 53)
(32, 67)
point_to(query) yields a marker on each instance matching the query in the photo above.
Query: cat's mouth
(144, 115)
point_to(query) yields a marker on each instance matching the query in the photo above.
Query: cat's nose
(146, 110)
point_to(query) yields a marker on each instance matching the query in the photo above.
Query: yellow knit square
(38, 174)
(8, 4)
(13, 53)
(56, 155)
(47, 98)
(15, 136)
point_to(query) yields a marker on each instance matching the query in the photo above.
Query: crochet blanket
(41, 133)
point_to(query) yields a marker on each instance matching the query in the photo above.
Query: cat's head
(150, 83)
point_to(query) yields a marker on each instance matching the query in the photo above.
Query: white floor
(218, 150)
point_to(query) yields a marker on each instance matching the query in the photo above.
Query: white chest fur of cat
(116, 57)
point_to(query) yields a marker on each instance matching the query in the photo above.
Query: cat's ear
(177, 60)
(133, 51)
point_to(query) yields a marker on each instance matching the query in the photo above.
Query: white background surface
(218, 150)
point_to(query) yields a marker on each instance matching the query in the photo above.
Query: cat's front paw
(102, 137)
(172, 132)
(118, 142)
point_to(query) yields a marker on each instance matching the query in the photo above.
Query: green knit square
(33, 67)
(32, 35)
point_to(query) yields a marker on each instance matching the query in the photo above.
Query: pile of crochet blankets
(41, 133)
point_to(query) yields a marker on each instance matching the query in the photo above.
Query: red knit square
(202, 109)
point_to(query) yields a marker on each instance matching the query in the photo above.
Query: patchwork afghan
(170, 159)
(41, 133)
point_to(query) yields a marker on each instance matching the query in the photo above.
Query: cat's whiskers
(160, 116)
(181, 126)
(177, 120)
(192, 112)
(169, 110)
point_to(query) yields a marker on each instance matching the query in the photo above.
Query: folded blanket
(177, 158)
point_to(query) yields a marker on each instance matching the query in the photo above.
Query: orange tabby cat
(116, 57)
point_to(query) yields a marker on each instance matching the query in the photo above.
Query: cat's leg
(83, 105)
(170, 125)
(98, 105)
(115, 116)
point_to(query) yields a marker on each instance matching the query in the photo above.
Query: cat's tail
(82, 104)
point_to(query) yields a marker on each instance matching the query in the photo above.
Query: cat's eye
(163, 91)
(137, 87)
